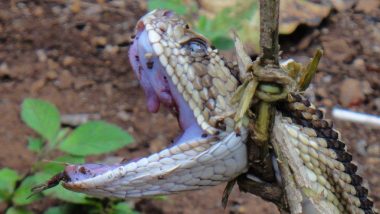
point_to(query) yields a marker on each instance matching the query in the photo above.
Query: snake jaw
(198, 157)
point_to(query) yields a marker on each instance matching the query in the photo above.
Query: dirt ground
(77, 59)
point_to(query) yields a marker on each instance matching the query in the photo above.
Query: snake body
(179, 68)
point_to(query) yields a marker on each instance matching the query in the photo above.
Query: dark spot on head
(140, 26)
(82, 170)
(163, 30)
(149, 64)
(204, 135)
(133, 36)
(187, 26)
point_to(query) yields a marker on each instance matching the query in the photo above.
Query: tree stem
(269, 19)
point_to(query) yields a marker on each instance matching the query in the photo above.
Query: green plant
(218, 28)
(71, 146)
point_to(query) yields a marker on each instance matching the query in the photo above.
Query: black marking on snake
(324, 129)
(149, 64)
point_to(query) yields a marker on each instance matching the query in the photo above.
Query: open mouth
(196, 158)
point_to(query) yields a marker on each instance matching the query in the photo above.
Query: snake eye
(196, 46)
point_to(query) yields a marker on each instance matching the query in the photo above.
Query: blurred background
(73, 54)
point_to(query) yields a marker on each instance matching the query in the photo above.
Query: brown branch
(269, 19)
(259, 156)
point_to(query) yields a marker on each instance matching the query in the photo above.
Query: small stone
(108, 89)
(359, 64)
(327, 102)
(93, 10)
(360, 147)
(51, 75)
(367, 6)
(68, 60)
(75, 6)
(374, 150)
(123, 115)
(38, 11)
(342, 5)
(111, 49)
(52, 65)
(366, 87)
(351, 93)
(377, 103)
(322, 92)
(65, 80)
(4, 69)
(118, 3)
(338, 50)
(81, 83)
(99, 40)
(41, 55)
(37, 85)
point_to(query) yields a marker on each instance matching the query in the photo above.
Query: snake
(179, 69)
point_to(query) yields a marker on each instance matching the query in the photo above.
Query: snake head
(176, 68)
(179, 68)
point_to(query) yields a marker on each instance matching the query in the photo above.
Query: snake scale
(179, 69)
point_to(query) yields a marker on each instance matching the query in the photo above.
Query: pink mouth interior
(158, 89)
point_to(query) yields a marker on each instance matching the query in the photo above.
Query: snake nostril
(140, 26)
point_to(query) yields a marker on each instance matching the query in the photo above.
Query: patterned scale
(326, 162)
(198, 72)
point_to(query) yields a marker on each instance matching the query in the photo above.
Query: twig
(259, 155)
(269, 16)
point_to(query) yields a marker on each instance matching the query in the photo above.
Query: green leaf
(123, 208)
(24, 191)
(58, 210)
(160, 197)
(66, 195)
(174, 5)
(42, 117)
(8, 179)
(223, 42)
(35, 144)
(18, 210)
(95, 137)
(60, 136)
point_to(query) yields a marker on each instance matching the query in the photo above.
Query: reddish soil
(77, 59)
